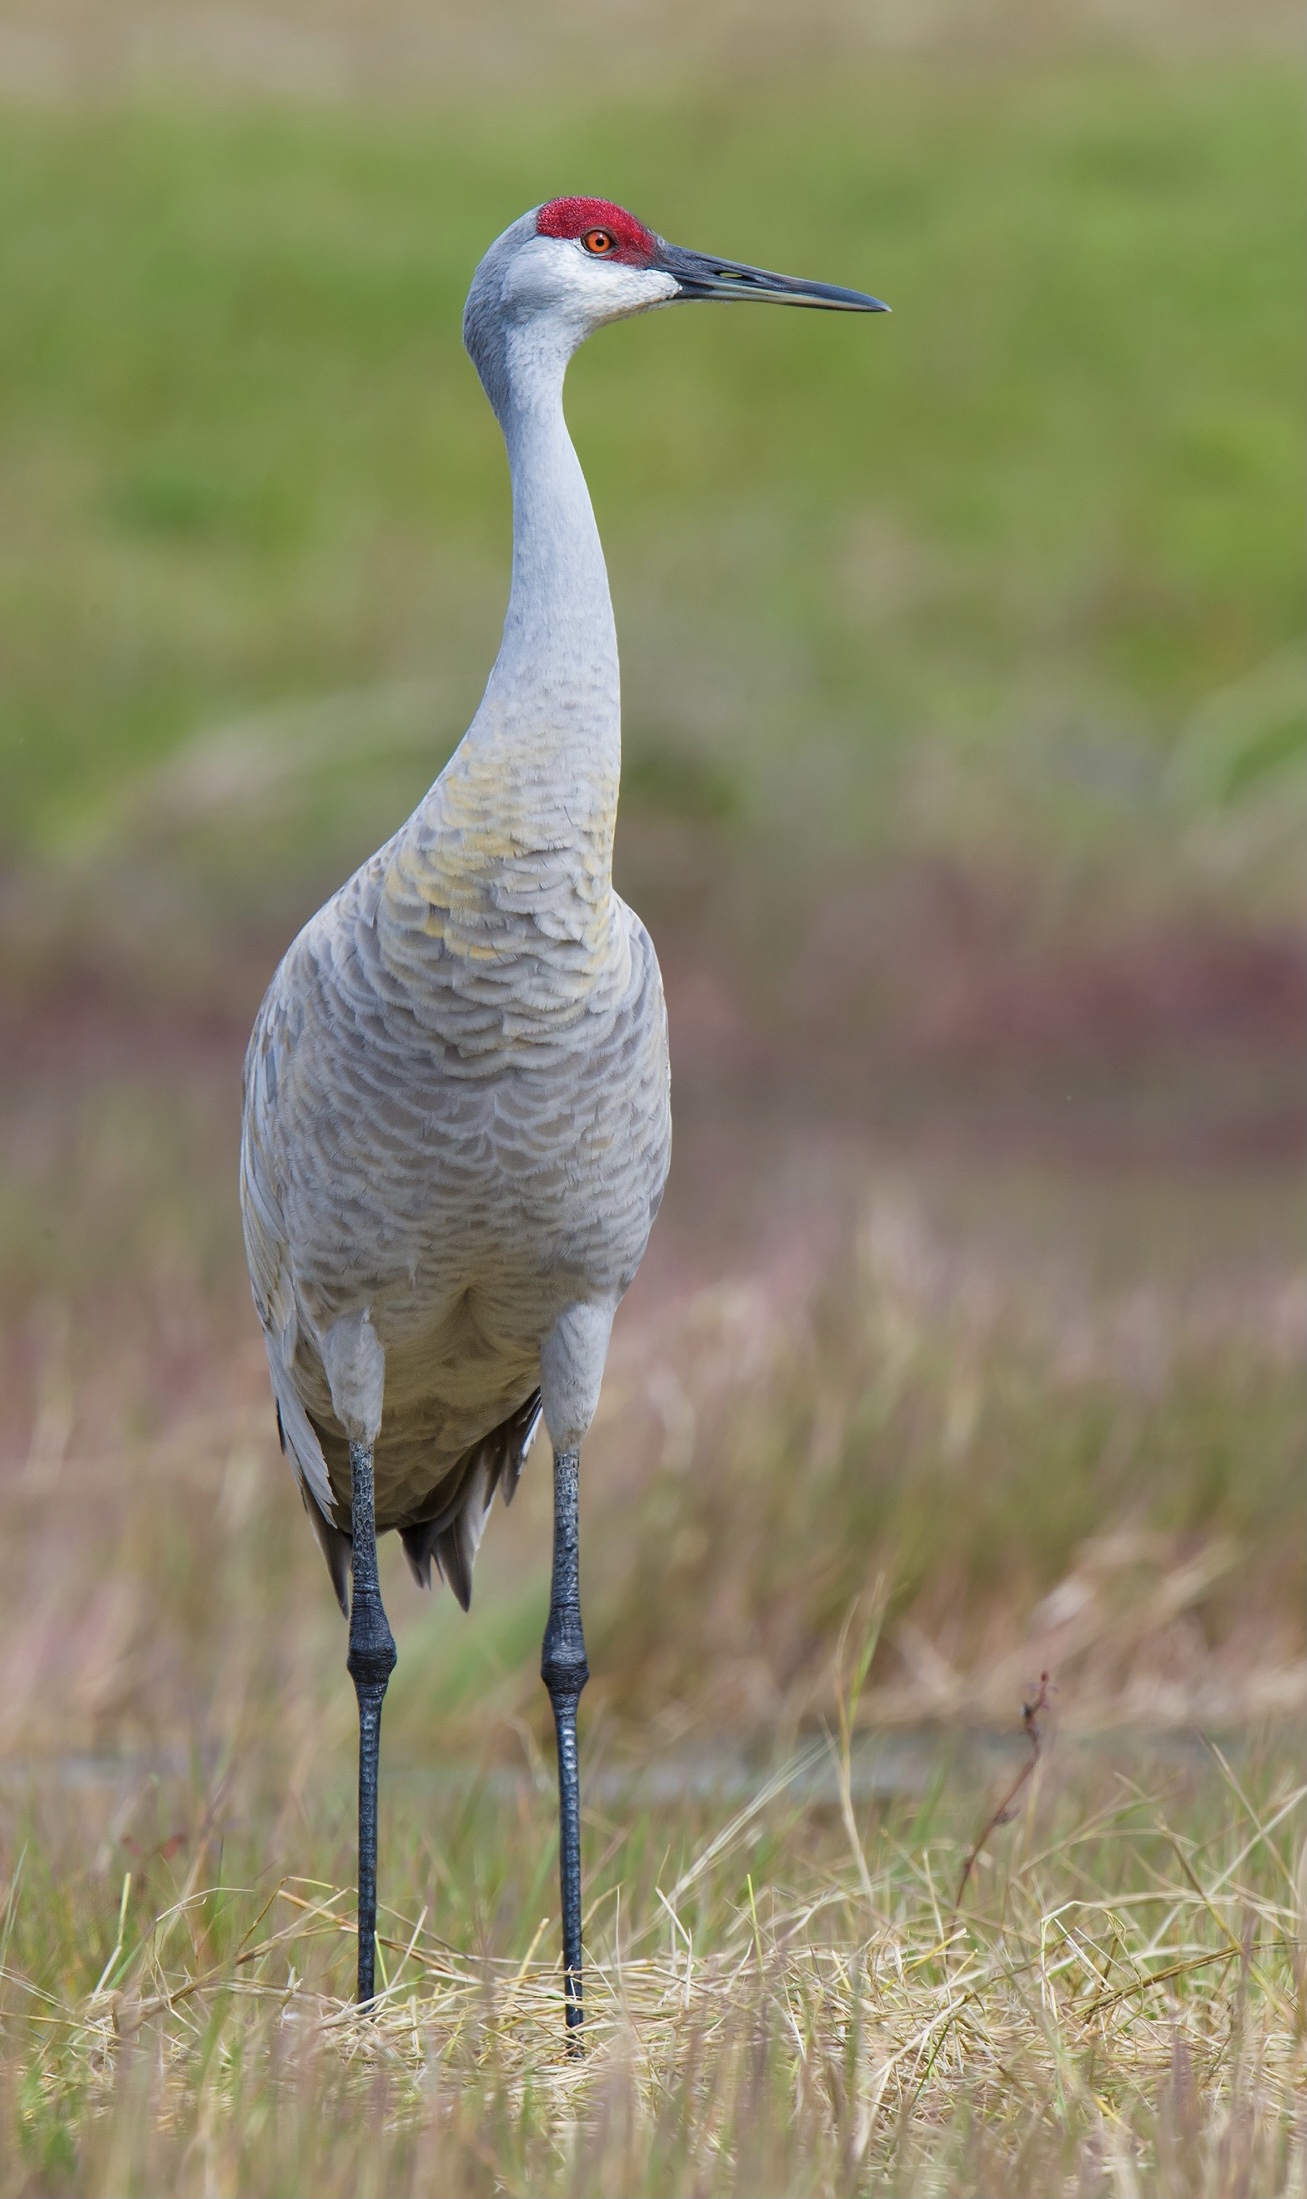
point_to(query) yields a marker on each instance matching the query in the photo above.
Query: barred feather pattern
(466, 1166)
(457, 1110)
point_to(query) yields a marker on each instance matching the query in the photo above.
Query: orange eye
(599, 240)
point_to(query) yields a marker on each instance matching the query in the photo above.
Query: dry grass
(787, 2005)
(1104, 1483)
(782, 1998)
(1045, 1476)
(840, 1507)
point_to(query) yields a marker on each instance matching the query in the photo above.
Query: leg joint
(371, 1660)
(563, 1666)
(564, 1675)
(370, 1665)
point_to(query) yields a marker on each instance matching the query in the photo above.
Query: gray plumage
(457, 1125)
(457, 1122)
(456, 1118)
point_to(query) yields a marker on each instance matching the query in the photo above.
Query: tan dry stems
(1034, 1494)
(1121, 2006)
(1001, 1814)
(1044, 1475)
(1122, 2012)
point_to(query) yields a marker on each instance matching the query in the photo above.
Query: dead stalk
(1031, 1712)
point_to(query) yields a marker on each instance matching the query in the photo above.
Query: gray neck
(550, 720)
(560, 615)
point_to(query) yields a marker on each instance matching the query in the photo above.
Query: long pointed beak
(699, 276)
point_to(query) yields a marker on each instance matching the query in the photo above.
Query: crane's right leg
(564, 1671)
(370, 1663)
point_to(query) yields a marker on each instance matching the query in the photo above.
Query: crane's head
(574, 264)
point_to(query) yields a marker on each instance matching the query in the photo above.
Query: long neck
(544, 750)
(557, 663)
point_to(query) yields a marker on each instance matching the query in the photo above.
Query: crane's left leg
(564, 1671)
(370, 1663)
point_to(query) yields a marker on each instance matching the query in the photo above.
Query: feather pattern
(456, 1116)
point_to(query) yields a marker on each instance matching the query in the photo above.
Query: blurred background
(963, 796)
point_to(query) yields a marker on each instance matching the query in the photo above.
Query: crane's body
(457, 1121)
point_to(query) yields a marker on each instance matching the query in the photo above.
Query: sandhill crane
(457, 1122)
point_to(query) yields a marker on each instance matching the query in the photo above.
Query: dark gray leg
(370, 1663)
(564, 1671)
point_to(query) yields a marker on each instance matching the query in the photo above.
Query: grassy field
(804, 1538)
(832, 1535)
(780, 2001)
(1040, 518)
(963, 796)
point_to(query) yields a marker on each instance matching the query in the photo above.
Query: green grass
(1038, 517)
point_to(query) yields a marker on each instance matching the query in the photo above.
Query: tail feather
(336, 1548)
(302, 1445)
(526, 1423)
(452, 1536)
(456, 1546)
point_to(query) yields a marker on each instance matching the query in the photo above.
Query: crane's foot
(564, 1671)
(371, 1660)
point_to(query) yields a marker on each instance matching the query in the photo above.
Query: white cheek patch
(620, 290)
(594, 290)
(555, 277)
